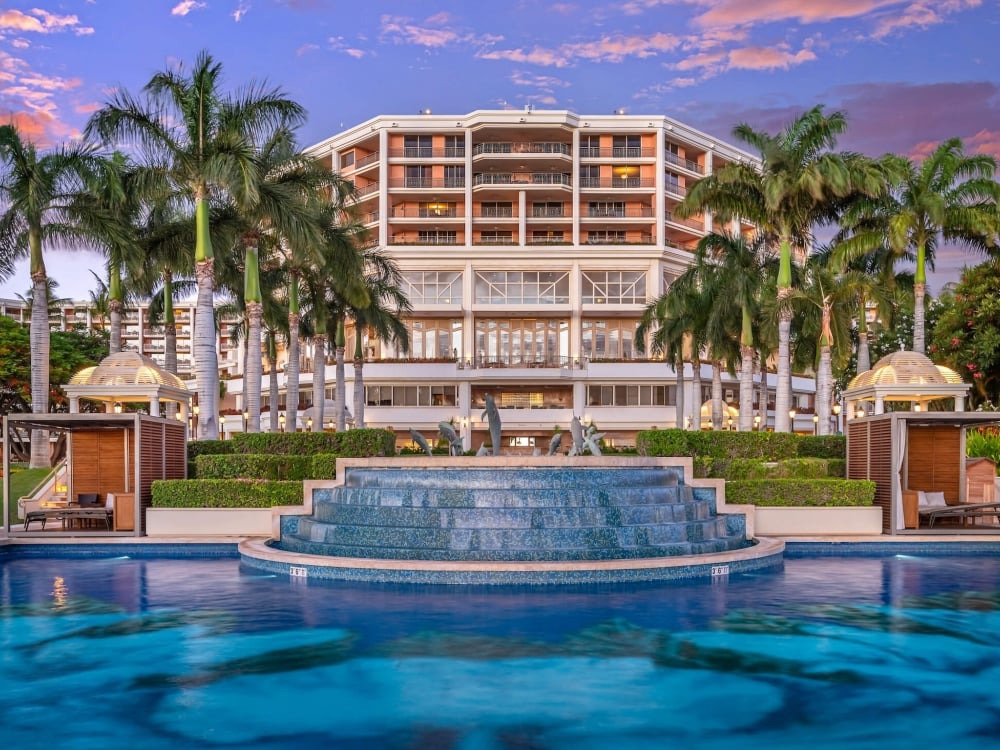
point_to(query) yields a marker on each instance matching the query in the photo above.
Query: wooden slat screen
(880, 467)
(934, 460)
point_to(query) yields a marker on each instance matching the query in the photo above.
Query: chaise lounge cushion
(931, 499)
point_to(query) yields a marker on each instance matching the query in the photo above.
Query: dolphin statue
(492, 416)
(447, 431)
(421, 441)
(576, 430)
(592, 440)
(555, 443)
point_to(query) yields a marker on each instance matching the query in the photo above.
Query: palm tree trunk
(783, 388)
(274, 424)
(762, 396)
(717, 418)
(679, 380)
(359, 380)
(864, 355)
(169, 325)
(824, 390)
(341, 392)
(319, 382)
(115, 315)
(292, 374)
(919, 292)
(746, 388)
(254, 371)
(206, 358)
(39, 336)
(696, 387)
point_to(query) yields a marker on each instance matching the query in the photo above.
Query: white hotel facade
(530, 242)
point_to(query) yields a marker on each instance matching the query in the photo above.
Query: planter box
(208, 522)
(817, 521)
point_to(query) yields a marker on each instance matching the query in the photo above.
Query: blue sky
(908, 73)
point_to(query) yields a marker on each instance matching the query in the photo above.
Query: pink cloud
(767, 58)
(723, 13)
(86, 109)
(186, 6)
(611, 48)
(920, 15)
(41, 22)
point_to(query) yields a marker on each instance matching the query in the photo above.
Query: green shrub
(351, 443)
(772, 446)
(801, 492)
(208, 447)
(983, 442)
(324, 466)
(822, 446)
(254, 466)
(224, 493)
(790, 468)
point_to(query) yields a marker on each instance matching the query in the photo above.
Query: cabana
(912, 450)
(114, 455)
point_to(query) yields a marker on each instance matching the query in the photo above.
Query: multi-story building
(530, 242)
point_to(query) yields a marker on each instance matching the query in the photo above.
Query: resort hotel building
(529, 243)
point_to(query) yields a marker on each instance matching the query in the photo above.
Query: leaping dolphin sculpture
(492, 416)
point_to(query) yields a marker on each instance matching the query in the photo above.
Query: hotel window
(631, 395)
(497, 210)
(547, 237)
(437, 237)
(522, 287)
(549, 209)
(673, 183)
(436, 208)
(431, 339)
(418, 177)
(626, 147)
(411, 395)
(347, 160)
(590, 176)
(454, 176)
(625, 176)
(515, 341)
(608, 339)
(432, 287)
(606, 209)
(454, 146)
(613, 287)
(590, 146)
(418, 146)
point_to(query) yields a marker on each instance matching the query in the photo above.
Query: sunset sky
(908, 73)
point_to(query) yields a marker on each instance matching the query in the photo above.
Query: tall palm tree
(950, 197)
(205, 138)
(798, 183)
(38, 193)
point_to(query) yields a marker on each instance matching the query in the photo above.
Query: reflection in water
(187, 653)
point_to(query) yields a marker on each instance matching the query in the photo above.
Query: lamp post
(281, 422)
(222, 425)
(730, 424)
(756, 422)
(246, 419)
(194, 430)
(791, 418)
(836, 418)
(815, 424)
(309, 424)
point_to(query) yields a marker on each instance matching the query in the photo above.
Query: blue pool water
(891, 651)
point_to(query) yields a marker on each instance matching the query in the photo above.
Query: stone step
(498, 539)
(508, 478)
(523, 518)
(296, 544)
(496, 497)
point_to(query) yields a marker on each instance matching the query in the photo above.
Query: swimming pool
(879, 651)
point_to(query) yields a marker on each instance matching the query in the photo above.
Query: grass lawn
(22, 483)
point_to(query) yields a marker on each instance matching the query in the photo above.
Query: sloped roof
(906, 368)
(126, 368)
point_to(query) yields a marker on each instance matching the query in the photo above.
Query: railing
(675, 189)
(423, 241)
(548, 241)
(548, 213)
(535, 178)
(616, 182)
(692, 223)
(620, 213)
(522, 360)
(425, 213)
(364, 161)
(495, 241)
(616, 152)
(361, 192)
(495, 213)
(530, 147)
(428, 152)
(691, 166)
(424, 183)
(598, 239)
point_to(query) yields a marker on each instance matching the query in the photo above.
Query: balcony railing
(691, 166)
(616, 152)
(616, 183)
(364, 161)
(425, 183)
(530, 147)
(371, 217)
(644, 212)
(506, 212)
(496, 241)
(522, 360)
(634, 239)
(548, 241)
(428, 152)
(675, 189)
(535, 178)
(425, 213)
(363, 190)
(547, 213)
(426, 240)
(692, 223)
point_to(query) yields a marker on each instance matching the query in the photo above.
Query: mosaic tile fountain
(512, 514)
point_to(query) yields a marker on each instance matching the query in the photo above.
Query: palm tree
(798, 184)
(735, 269)
(205, 139)
(949, 197)
(38, 192)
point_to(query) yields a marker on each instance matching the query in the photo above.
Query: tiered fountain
(511, 519)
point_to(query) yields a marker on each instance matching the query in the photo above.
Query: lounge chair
(43, 515)
(88, 508)
(932, 506)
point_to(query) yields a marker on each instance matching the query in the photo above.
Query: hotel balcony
(488, 184)
(537, 154)
(427, 152)
(427, 183)
(617, 152)
(427, 238)
(675, 188)
(365, 192)
(686, 164)
(366, 162)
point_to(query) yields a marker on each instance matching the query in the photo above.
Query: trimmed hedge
(792, 468)
(352, 443)
(801, 492)
(771, 446)
(822, 446)
(224, 493)
(257, 466)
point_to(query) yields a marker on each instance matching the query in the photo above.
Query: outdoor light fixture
(309, 424)
(860, 413)
(730, 424)
(791, 414)
(916, 407)
(756, 421)
(815, 424)
(118, 407)
(281, 422)
(836, 410)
